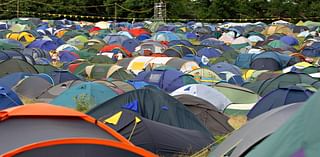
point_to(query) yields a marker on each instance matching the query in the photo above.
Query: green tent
(107, 71)
(277, 44)
(87, 53)
(100, 59)
(45, 68)
(236, 94)
(16, 65)
(298, 137)
(205, 76)
(78, 41)
(283, 80)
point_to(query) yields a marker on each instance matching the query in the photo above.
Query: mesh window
(155, 78)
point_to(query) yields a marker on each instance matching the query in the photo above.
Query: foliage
(176, 9)
(84, 102)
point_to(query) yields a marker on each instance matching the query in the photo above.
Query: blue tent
(190, 35)
(231, 78)
(130, 44)
(165, 36)
(211, 42)
(46, 45)
(280, 97)
(11, 80)
(180, 42)
(166, 79)
(269, 60)
(312, 51)
(60, 76)
(210, 52)
(143, 37)
(290, 40)
(67, 56)
(138, 84)
(88, 93)
(115, 39)
(224, 66)
(8, 98)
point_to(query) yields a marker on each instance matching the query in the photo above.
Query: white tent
(206, 93)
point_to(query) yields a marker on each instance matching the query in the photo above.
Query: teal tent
(84, 96)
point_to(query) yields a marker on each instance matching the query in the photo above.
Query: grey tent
(36, 130)
(32, 87)
(244, 139)
(54, 91)
(159, 138)
(210, 116)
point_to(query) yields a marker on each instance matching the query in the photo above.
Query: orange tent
(109, 48)
(43, 130)
(138, 31)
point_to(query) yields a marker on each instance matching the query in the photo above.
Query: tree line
(176, 9)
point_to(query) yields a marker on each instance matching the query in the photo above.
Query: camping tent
(168, 80)
(8, 98)
(16, 65)
(207, 113)
(84, 96)
(51, 127)
(204, 92)
(280, 97)
(241, 141)
(298, 137)
(164, 108)
(165, 141)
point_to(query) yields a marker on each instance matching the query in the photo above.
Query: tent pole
(115, 12)
(18, 1)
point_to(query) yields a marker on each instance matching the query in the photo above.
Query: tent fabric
(283, 80)
(60, 76)
(223, 66)
(206, 93)
(205, 76)
(31, 87)
(168, 80)
(165, 109)
(16, 65)
(166, 141)
(290, 136)
(207, 113)
(8, 98)
(236, 94)
(54, 91)
(107, 71)
(264, 61)
(243, 140)
(70, 148)
(280, 97)
(43, 121)
(89, 93)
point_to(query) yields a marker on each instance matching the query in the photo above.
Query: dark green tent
(45, 68)
(159, 138)
(107, 71)
(16, 65)
(100, 59)
(283, 80)
(154, 104)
